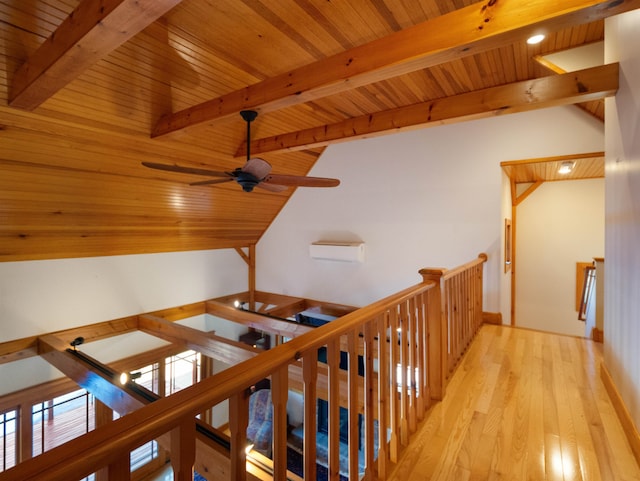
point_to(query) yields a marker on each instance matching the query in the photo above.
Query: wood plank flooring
(523, 405)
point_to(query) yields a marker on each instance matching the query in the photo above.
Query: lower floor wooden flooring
(522, 405)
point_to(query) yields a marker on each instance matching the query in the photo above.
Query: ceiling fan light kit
(256, 172)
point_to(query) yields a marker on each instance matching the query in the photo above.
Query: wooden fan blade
(301, 181)
(186, 170)
(257, 167)
(212, 181)
(271, 187)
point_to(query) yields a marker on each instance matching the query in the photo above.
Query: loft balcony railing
(407, 346)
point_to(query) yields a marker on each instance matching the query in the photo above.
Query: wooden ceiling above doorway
(529, 171)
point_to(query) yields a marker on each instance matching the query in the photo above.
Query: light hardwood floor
(523, 405)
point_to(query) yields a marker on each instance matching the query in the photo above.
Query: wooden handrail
(407, 330)
(448, 273)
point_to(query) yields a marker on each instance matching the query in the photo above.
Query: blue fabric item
(260, 427)
(322, 444)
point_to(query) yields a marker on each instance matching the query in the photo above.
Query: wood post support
(183, 450)
(437, 334)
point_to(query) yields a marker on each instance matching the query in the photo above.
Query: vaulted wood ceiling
(89, 89)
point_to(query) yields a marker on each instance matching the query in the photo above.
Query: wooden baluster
(463, 293)
(404, 384)
(468, 308)
(421, 346)
(183, 450)
(477, 299)
(460, 311)
(279, 395)
(453, 325)
(458, 286)
(24, 433)
(103, 416)
(393, 386)
(207, 369)
(310, 376)
(383, 394)
(479, 292)
(369, 328)
(333, 360)
(353, 382)
(162, 377)
(120, 470)
(238, 422)
(470, 304)
(412, 366)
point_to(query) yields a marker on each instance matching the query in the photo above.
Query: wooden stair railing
(461, 306)
(414, 334)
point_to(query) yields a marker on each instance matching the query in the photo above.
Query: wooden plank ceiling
(530, 171)
(125, 81)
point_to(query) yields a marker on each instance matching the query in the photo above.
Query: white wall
(622, 211)
(560, 224)
(426, 198)
(37, 297)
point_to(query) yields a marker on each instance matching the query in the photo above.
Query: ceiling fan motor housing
(246, 180)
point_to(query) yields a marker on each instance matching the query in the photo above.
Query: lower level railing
(399, 353)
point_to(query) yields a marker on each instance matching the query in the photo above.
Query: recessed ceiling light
(535, 39)
(566, 167)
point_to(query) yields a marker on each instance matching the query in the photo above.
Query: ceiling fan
(256, 172)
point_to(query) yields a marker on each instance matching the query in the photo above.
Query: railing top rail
(101, 447)
(449, 273)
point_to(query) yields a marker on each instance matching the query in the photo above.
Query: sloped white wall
(560, 224)
(622, 211)
(426, 198)
(45, 296)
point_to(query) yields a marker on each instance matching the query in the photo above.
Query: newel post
(436, 333)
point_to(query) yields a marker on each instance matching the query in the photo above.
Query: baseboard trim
(597, 335)
(492, 318)
(621, 410)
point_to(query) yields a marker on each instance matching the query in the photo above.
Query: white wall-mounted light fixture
(566, 167)
(535, 39)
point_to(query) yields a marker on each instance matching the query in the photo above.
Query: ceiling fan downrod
(248, 116)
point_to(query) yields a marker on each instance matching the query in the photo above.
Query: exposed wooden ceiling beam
(569, 88)
(541, 60)
(90, 32)
(53, 350)
(216, 347)
(257, 321)
(461, 33)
